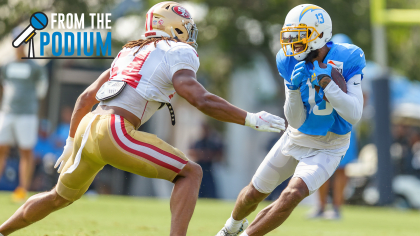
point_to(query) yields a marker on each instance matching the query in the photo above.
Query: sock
(233, 225)
(1, 234)
(244, 234)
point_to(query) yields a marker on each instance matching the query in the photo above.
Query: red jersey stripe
(150, 146)
(136, 152)
(144, 110)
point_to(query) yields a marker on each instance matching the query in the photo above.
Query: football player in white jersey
(318, 134)
(144, 75)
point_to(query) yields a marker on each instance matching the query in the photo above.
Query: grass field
(117, 216)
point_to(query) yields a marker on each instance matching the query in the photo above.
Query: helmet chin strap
(173, 33)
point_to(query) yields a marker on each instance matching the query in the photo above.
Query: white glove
(264, 121)
(68, 149)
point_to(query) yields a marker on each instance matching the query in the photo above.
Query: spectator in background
(46, 153)
(63, 129)
(205, 152)
(339, 180)
(23, 82)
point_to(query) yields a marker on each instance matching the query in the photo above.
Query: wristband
(250, 119)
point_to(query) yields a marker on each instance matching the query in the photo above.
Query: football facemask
(192, 31)
(293, 35)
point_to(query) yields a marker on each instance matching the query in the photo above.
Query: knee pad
(263, 186)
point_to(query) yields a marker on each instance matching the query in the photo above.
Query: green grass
(117, 216)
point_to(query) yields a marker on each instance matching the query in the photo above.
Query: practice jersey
(150, 70)
(321, 117)
(149, 73)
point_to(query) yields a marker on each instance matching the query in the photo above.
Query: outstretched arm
(86, 101)
(186, 86)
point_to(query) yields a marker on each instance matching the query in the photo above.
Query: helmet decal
(309, 8)
(181, 11)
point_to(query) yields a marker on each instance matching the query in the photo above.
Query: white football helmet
(307, 28)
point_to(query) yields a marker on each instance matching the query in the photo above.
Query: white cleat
(224, 231)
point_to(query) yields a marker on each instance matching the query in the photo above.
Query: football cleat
(225, 232)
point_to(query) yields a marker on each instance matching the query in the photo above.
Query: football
(337, 77)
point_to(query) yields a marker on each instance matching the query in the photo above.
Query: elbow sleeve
(348, 105)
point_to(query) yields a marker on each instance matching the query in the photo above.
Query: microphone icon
(38, 21)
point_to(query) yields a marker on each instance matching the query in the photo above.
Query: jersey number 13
(323, 109)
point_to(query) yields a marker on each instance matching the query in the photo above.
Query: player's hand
(318, 73)
(68, 149)
(264, 121)
(298, 75)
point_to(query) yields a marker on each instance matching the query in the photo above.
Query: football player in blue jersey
(319, 132)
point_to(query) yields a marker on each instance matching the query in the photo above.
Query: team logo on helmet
(309, 8)
(181, 11)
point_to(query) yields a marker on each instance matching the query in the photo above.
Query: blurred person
(24, 83)
(46, 153)
(339, 178)
(318, 134)
(63, 129)
(145, 74)
(207, 150)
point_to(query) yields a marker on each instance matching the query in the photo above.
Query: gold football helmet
(170, 19)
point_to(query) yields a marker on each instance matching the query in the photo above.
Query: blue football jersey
(321, 117)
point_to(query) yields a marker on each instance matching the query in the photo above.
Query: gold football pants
(111, 139)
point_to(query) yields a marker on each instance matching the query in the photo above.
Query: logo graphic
(355, 83)
(72, 44)
(361, 54)
(313, 77)
(337, 65)
(38, 21)
(309, 8)
(181, 11)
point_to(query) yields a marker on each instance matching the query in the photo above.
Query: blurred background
(238, 41)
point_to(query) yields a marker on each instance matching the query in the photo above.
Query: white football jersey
(150, 70)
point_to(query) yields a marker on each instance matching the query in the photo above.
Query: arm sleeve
(41, 84)
(348, 105)
(294, 110)
(182, 57)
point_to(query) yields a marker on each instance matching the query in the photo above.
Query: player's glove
(68, 149)
(318, 73)
(264, 121)
(298, 75)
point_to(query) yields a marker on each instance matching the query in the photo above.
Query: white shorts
(20, 129)
(313, 166)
